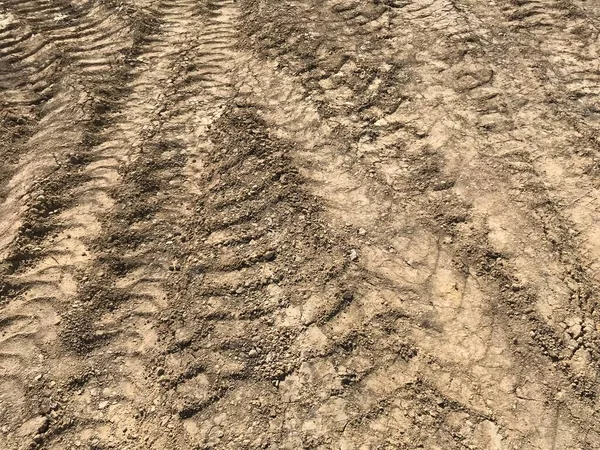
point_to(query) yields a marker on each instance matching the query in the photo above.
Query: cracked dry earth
(299, 224)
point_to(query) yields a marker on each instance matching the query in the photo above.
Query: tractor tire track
(333, 224)
(122, 337)
(50, 27)
(381, 145)
(62, 213)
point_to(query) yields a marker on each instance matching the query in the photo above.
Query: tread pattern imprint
(299, 224)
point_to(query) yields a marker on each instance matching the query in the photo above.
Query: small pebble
(103, 404)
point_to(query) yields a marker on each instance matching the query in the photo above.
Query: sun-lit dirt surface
(299, 224)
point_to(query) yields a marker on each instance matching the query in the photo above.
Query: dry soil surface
(299, 224)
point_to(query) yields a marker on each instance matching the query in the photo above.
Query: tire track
(561, 57)
(218, 247)
(208, 377)
(433, 293)
(420, 168)
(92, 41)
(58, 225)
(187, 72)
(562, 158)
(75, 96)
(19, 108)
(17, 73)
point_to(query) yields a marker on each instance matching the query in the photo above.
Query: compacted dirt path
(333, 224)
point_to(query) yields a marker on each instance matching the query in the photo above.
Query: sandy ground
(299, 224)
